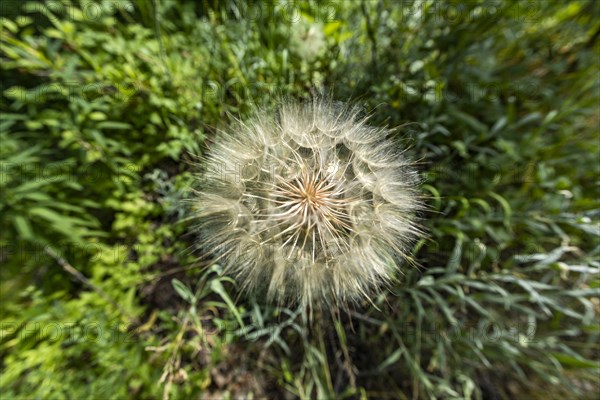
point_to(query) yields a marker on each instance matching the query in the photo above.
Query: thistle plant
(311, 205)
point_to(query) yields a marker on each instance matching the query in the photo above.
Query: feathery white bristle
(314, 206)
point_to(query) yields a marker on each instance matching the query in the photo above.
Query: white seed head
(311, 205)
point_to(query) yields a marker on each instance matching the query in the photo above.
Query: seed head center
(310, 194)
(314, 204)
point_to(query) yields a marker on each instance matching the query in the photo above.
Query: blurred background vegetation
(106, 103)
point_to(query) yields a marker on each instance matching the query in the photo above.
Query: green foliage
(105, 103)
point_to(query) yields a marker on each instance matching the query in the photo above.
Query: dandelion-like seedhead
(311, 205)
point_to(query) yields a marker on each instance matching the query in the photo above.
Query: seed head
(311, 205)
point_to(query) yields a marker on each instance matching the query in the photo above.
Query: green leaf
(183, 291)
(218, 288)
(23, 228)
(574, 362)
